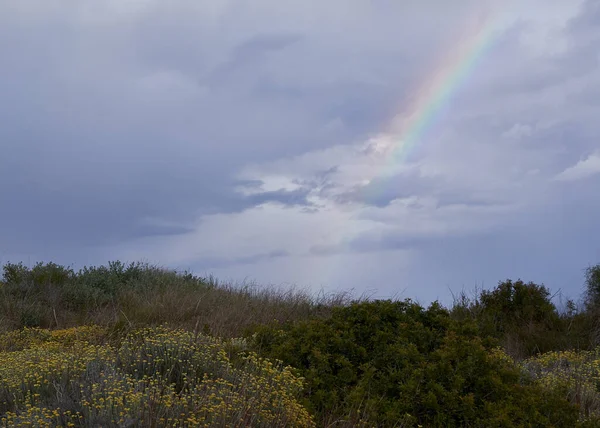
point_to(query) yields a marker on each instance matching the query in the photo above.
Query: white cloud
(519, 131)
(583, 169)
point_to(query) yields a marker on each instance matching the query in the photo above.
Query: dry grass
(122, 297)
(223, 310)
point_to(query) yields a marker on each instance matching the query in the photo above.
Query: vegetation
(522, 317)
(391, 362)
(592, 282)
(155, 376)
(118, 295)
(575, 373)
(139, 346)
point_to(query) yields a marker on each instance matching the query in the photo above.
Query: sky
(389, 148)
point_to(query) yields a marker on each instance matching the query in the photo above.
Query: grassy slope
(51, 296)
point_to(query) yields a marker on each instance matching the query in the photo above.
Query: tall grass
(126, 296)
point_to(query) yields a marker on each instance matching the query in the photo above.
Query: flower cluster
(576, 373)
(156, 376)
(27, 337)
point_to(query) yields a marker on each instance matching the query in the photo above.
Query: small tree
(521, 315)
(592, 282)
(514, 304)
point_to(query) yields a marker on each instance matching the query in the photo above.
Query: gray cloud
(126, 125)
(282, 196)
(585, 23)
(225, 262)
(246, 57)
(98, 138)
(380, 192)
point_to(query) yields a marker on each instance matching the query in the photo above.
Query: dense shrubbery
(396, 363)
(37, 297)
(90, 287)
(524, 319)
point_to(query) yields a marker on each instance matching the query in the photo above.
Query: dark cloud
(99, 135)
(101, 213)
(385, 242)
(282, 196)
(223, 262)
(247, 54)
(586, 21)
(326, 250)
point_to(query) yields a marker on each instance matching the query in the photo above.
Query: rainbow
(389, 149)
(408, 129)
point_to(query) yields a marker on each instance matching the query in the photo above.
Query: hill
(137, 345)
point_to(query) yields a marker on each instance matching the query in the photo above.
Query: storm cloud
(244, 140)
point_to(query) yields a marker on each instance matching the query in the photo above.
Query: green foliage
(523, 319)
(109, 279)
(137, 294)
(105, 280)
(38, 276)
(396, 363)
(34, 295)
(592, 282)
(14, 272)
(513, 303)
(30, 318)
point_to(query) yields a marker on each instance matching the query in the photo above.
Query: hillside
(140, 346)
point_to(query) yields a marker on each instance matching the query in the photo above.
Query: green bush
(14, 272)
(398, 364)
(512, 303)
(42, 274)
(592, 283)
(523, 319)
(32, 296)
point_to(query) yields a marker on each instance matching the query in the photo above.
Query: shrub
(398, 364)
(592, 282)
(523, 319)
(14, 272)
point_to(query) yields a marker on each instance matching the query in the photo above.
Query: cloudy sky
(392, 147)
